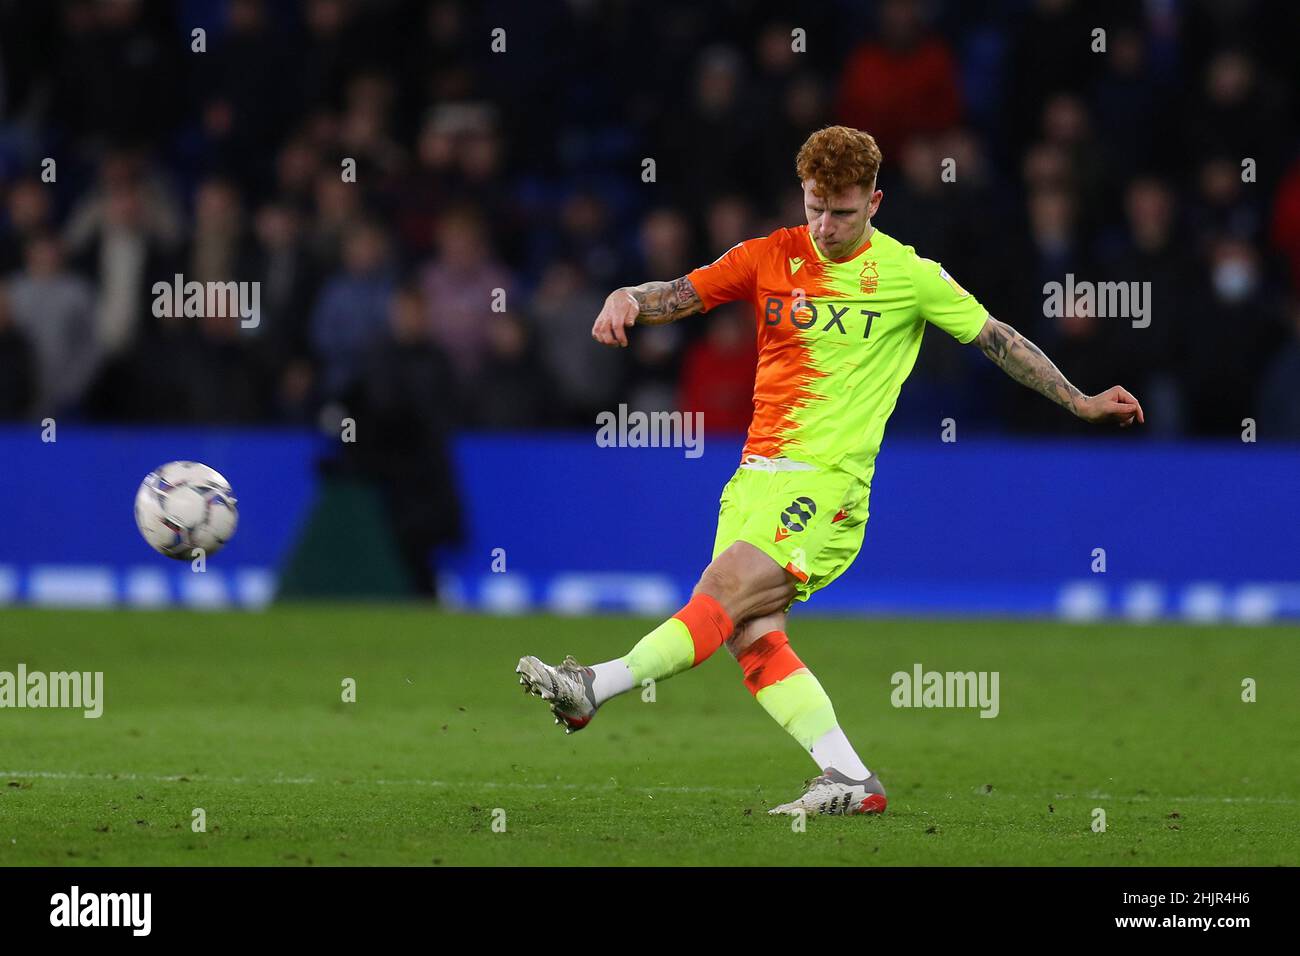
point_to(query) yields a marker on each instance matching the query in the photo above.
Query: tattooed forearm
(1025, 362)
(662, 302)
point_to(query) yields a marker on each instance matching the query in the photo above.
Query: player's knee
(772, 600)
(746, 582)
(723, 585)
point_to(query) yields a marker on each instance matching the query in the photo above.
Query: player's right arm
(730, 277)
(651, 303)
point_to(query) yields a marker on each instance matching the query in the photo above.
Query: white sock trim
(612, 678)
(832, 749)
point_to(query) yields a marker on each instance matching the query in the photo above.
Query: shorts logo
(796, 516)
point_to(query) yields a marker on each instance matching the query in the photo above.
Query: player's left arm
(1025, 362)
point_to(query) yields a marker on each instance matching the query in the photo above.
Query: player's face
(838, 222)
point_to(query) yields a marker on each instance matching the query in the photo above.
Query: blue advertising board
(555, 522)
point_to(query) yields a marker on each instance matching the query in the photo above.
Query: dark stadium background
(393, 440)
(521, 171)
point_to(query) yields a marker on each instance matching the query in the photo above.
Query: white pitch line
(490, 785)
(1200, 798)
(520, 785)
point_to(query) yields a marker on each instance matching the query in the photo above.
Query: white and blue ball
(184, 506)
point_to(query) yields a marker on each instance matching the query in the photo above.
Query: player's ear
(875, 201)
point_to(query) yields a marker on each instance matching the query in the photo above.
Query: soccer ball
(183, 506)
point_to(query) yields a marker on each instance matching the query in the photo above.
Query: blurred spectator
(513, 390)
(1050, 52)
(30, 214)
(584, 372)
(1066, 125)
(1284, 230)
(729, 220)
(226, 384)
(123, 238)
(423, 192)
(1055, 247)
(585, 236)
(1223, 204)
(715, 115)
(352, 309)
(288, 280)
(1047, 166)
(1228, 340)
(522, 174)
(460, 156)
(655, 365)
(296, 167)
(718, 373)
(339, 213)
(901, 85)
(1152, 251)
(460, 287)
(921, 204)
(364, 130)
(802, 105)
(216, 250)
(655, 353)
(1239, 114)
(331, 51)
(405, 400)
(1279, 400)
(185, 369)
(240, 83)
(17, 365)
(152, 378)
(55, 309)
(1133, 106)
(119, 77)
(666, 245)
(1078, 339)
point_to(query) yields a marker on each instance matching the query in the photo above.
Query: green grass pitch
(241, 714)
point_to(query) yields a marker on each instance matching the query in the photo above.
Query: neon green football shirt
(836, 338)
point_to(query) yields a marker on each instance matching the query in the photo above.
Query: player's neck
(854, 248)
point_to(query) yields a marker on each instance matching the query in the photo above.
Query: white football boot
(833, 792)
(567, 687)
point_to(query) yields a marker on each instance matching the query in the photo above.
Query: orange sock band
(768, 660)
(708, 624)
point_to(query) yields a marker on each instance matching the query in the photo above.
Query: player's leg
(740, 582)
(795, 699)
(812, 524)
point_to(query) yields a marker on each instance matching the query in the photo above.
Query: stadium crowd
(1171, 157)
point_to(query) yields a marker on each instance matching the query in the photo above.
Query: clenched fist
(1115, 404)
(617, 315)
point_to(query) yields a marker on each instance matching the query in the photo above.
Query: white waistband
(760, 463)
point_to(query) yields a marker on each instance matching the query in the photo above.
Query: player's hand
(1115, 404)
(616, 317)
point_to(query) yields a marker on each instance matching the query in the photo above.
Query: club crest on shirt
(868, 277)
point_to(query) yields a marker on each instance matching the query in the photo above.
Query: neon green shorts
(809, 522)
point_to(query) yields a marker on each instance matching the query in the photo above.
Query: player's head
(837, 167)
